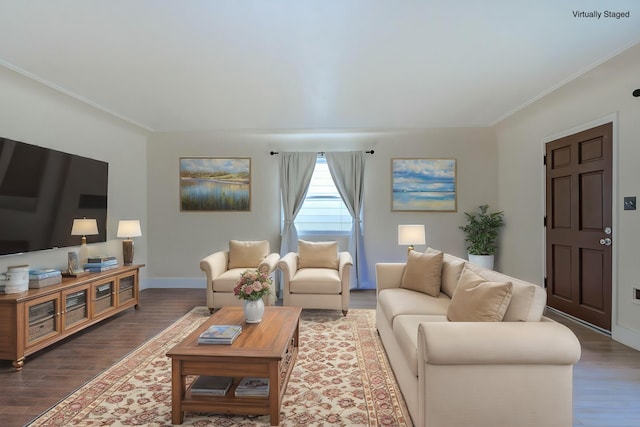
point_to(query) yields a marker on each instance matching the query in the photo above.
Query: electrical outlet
(629, 203)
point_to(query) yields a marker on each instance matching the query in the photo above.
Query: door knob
(606, 241)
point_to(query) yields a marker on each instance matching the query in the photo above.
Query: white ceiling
(170, 65)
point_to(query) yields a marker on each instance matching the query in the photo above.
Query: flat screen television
(42, 191)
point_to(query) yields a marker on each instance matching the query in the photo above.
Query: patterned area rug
(341, 378)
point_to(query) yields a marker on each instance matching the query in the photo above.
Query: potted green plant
(481, 232)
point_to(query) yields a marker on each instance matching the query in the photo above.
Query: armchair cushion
(317, 254)
(247, 254)
(477, 300)
(423, 272)
(316, 281)
(227, 280)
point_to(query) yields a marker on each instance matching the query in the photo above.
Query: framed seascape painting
(215, 184)
(423, 185)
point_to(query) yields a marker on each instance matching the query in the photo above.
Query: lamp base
(127, 252)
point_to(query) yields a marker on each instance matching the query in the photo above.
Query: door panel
(591, 203)
(562, 271)
(592, 267)
(562, 203)
(578, 209)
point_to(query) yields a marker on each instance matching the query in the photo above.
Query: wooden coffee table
(267, 349)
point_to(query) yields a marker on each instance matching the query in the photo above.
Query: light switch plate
(629, 203)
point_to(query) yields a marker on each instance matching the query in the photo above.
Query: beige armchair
(316, 277)
(224, 268)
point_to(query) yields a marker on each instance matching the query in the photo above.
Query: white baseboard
(626, 336)
(173, 282)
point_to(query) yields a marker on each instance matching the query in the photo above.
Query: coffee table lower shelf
(240, 405)
(228, 404)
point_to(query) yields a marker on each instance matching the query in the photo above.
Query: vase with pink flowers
(252, 286)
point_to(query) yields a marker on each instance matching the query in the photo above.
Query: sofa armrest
(389, 275)
(269, 263)
(497, 343)
(345, 263)
(495, 374)
(344, 259)
(214, 265)
(288, 264)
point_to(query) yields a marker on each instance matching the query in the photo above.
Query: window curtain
(296, 170)
(347, 171)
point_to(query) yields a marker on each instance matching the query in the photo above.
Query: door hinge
(544, 221)
(544, 160)
(545, 282)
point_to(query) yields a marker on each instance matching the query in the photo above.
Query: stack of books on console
(211, 385)
(220, 334)
(43, 277)
(252, 386)
(101, 263)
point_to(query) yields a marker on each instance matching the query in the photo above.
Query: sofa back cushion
(423, 272)
(528, 300)
(451, 268)
(478, 300)
(317, 254)
(247, 254)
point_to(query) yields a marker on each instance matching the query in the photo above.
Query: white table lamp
(84, 227)
(411, 235)
(128, 228)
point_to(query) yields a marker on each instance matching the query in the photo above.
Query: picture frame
(423, 185)
(73, 265)
(218, 184)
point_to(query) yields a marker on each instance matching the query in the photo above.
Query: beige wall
(143, 181)
(36, 114)
(601, 94)
(180, 239)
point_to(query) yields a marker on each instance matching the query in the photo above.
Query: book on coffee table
(252, 386)
(220, 334)
(211, 385)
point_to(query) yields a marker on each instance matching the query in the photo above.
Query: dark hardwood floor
(607, 379)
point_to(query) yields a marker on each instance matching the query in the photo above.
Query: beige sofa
(516, 372)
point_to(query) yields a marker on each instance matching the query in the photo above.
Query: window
(323, 211)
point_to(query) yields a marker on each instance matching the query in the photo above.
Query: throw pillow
(317, 254)
(478, 300)
(423, 272)
(247, 254)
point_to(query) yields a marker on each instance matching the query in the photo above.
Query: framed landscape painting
(215, 184)
(423, 185)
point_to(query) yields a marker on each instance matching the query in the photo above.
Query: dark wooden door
(578, 225)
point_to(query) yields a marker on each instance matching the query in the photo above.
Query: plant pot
(253, 310)
(485, 261)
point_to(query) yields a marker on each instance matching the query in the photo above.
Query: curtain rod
(320, 153)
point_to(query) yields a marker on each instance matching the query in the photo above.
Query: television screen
(42, 191)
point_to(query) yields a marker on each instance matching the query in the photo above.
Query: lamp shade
(84, 227)
(129, 228)
(411, 235)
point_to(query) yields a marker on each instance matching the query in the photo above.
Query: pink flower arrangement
(253, 285)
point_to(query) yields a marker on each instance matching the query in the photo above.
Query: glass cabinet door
(76, 307)
(43, 317)
(104, 296)
(126, 288)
